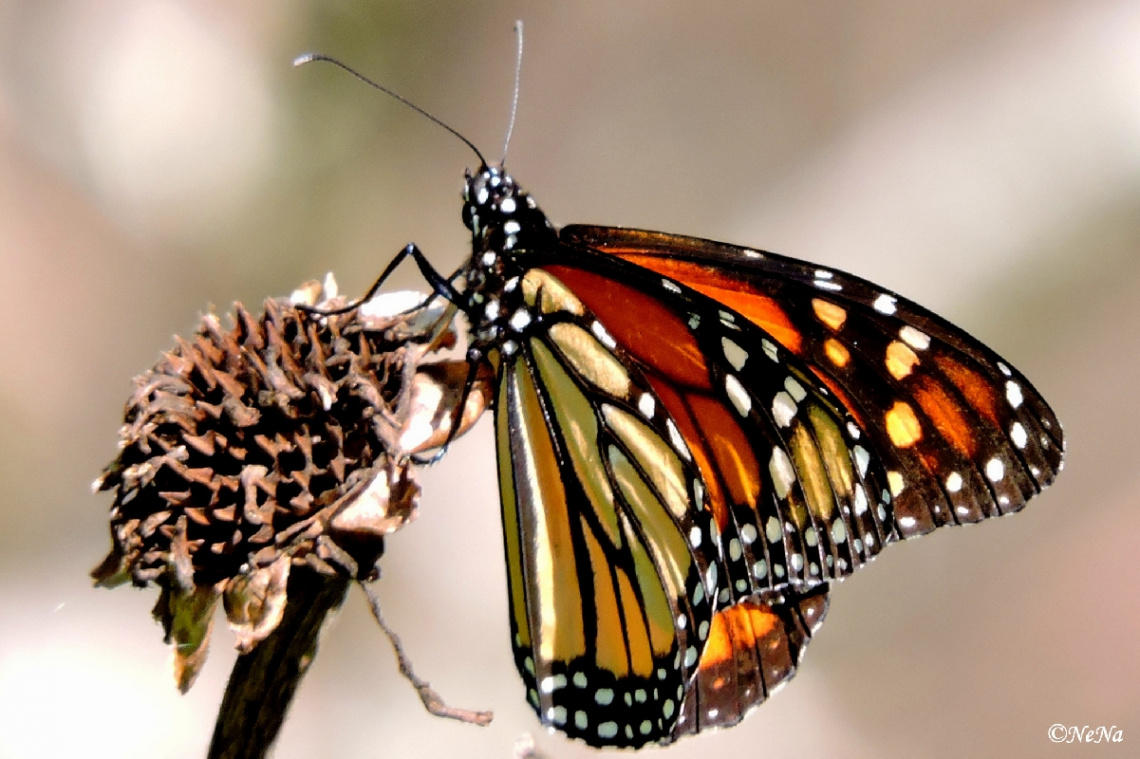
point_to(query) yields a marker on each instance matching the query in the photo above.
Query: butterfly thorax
(505, 225)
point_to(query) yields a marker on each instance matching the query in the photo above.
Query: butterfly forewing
(797, 498)
(963, 435)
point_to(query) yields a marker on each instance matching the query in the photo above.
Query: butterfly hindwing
(963, 435)
(754, 649)
(612, 560)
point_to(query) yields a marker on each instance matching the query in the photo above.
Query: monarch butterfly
(696, 441)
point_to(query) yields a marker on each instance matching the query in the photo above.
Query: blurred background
(979, 156)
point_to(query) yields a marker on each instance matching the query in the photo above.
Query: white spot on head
(509, 347)
(646, 405)
(512, 228)
(737, 394)
(885, 304)
(507, 205)
(491, 311)
(920, 341)
(520, 320)
(1013, 393)
(783, 409)
(734, 353)
(995, 470)
(954, 482)
(783, 475)
(488, 258)
(1017, 435)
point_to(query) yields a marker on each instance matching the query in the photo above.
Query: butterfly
(696, 441)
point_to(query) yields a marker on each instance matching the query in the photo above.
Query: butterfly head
(498, 211)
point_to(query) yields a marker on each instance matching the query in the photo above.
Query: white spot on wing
(734, 353)
(783, 409)
(920, 341)
(954, 482)
(770, 349)
(783, 475)
(885, 304)
(1013, 393)
(795, 389)
(677, 441)
(670, 285)
(646, 405)
(1018, 435)
(737, 394)
(995, 470)
(603, 335)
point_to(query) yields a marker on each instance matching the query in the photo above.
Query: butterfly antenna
(311, 57)
(515, 97)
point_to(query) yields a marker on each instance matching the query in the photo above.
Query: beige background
(980, 156)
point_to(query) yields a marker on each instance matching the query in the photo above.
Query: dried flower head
(282, 440)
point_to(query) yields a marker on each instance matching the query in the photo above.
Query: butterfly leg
(440, 285)
(474, 360)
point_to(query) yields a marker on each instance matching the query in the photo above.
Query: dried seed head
(284, 439)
